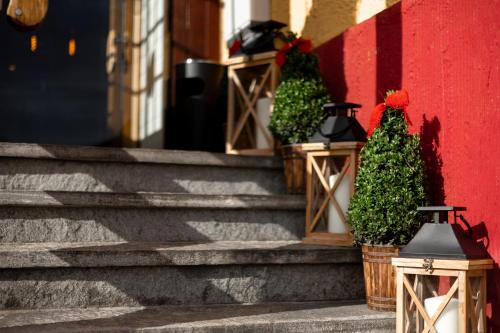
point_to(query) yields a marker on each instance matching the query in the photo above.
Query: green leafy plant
(298, 109)
(298, 105)
(389, 185)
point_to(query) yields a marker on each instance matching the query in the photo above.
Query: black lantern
(443, 240)
(340, 124)
(441, 278)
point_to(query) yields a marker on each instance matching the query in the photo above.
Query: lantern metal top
(441, 240)
(342, 105)
(340, 124)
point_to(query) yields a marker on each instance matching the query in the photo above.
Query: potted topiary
(298, 105)
(389, 187)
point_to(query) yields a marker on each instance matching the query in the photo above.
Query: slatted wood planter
(380, 280)
(294, 160)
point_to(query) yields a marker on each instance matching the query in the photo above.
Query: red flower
(398, 99)
(235, 47)
(281, 55)
(280, 58)
(304, 45)
(376, 117)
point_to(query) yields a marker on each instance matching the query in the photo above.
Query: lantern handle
(469, 229)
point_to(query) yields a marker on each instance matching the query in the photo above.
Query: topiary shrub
(390, 182)
(299, 100)
(298, 109)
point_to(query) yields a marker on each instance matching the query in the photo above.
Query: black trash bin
(198, 120)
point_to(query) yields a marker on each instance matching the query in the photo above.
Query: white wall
(238, 13)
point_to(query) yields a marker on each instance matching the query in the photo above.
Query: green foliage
(298, 105)
(298, 109)
(389, 185)
(299, 64)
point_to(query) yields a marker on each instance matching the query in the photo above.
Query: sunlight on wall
(151, 76)
(301, 10)
(367, 8)
(321, 20)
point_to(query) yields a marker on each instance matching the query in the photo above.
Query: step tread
(274, 317)
(135, 155)
(150, 200)
(119, 254)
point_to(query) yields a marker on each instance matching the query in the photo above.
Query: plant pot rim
(292, 145)
(381, 245)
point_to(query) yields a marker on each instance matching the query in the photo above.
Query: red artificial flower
(376, 117)
(407, 118)
(398, 99)
(235, 47)
(280, 56)
(304, 45)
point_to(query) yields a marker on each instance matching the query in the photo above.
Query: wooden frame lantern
(331, 172)
(252, 82)
(441, 281)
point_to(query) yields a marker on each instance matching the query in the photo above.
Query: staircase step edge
(136, 155)
(122, 254)
(271, 317)
(150, 200)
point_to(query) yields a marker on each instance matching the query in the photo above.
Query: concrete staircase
(129, 240)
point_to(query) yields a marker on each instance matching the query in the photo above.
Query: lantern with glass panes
(252, 82)
(441, 278)
(332, 163)
(331, 171)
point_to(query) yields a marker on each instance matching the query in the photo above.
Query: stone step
(147, 217)
(105, 275)
(35, 167)
(310, 317)
(121, 254)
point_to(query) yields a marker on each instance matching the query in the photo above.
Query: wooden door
(195, 33)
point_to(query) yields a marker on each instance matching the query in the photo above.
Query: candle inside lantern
(264, 115)
(448, 320)
(342, 196)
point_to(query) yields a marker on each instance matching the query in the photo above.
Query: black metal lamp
(340, 124)
(443, 240)
(441, 278)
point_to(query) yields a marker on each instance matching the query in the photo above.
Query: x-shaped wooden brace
(250, 107)
(475, 308)
(418, 283)
(329, 192)
(429, 321)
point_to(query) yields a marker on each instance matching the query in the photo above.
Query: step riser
(83, 287)
(57, 175)
(53, 224)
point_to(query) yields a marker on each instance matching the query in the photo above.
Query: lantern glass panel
(432, 292)
(254, 92)
(331, 192)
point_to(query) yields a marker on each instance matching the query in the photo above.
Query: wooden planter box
(294, 160)
(380, 278)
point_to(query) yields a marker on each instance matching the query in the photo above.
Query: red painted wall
(446, 54)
